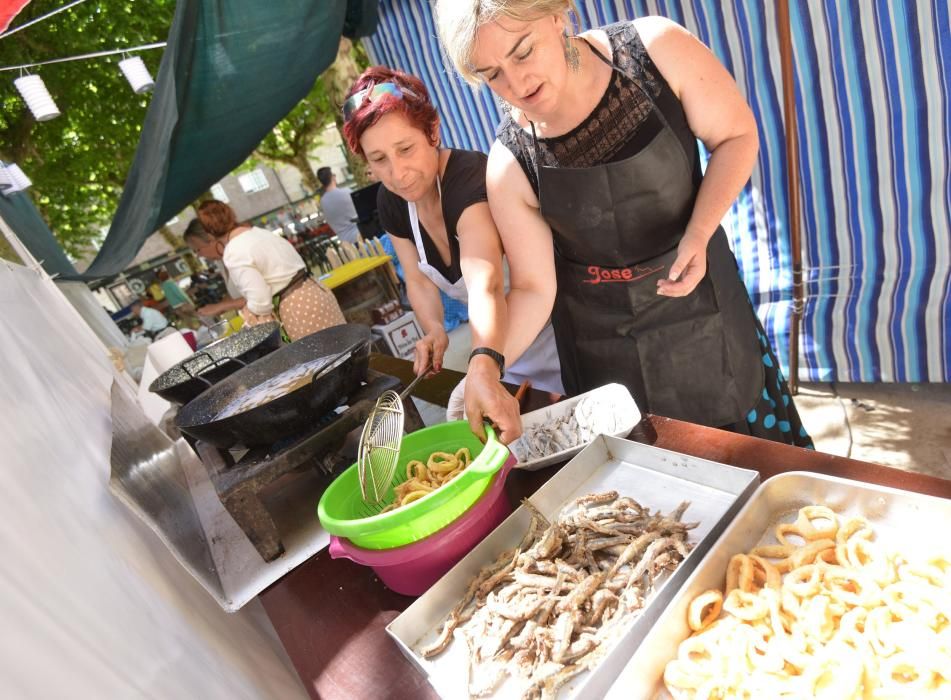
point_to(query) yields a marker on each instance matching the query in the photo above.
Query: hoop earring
(572, 55)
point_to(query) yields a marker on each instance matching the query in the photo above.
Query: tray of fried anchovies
(558, 432)
(557, 598)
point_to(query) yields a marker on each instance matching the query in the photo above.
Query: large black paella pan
(187, 379)
(282, 394)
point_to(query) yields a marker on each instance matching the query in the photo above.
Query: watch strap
(495, 355)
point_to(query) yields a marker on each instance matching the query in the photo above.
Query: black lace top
(620, 125)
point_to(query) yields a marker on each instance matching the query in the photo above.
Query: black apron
(616, 227)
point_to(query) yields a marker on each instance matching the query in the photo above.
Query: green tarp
(232, 69)
(20, 215)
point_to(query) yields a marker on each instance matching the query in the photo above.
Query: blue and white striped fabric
(873, 84)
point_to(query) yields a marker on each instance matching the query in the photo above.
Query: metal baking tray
(656, 478)
(899, 519)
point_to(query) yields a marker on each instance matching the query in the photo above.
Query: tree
(78, 162)
(295, 136)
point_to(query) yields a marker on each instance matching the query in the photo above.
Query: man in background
(153, 322)
(338, 207)
(178, 301)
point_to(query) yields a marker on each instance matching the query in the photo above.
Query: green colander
(344, 513)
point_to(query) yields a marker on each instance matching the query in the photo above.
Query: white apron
(539, 363)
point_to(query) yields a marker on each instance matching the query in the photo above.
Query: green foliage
(299, 132)
(295, 136)
(78, 162)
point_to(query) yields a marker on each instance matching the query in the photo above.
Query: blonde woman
(595, 184)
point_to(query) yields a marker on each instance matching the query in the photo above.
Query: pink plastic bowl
(412, 569)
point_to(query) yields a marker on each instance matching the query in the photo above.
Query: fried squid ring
(422, 479)
(838, 616)
(704, 609)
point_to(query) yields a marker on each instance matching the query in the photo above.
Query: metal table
(330, 614)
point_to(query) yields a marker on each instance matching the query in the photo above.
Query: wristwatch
(497, 356)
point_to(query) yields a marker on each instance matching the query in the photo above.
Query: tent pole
(792, 184)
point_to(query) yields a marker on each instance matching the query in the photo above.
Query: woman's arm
(230, 304)
(255, 291)
(526, 239)
(720, 117)
(480, 253)
(424, 298)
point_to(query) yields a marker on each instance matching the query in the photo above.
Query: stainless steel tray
(899, 519)
(654, 477)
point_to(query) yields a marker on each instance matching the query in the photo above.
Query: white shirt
(340, 213)
(260, 264)
(152, 320)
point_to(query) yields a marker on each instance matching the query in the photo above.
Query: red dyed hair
(418, 110)
(217, 218)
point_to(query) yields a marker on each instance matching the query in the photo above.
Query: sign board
(401, 335)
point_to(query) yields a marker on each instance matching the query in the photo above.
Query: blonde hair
(458, 21)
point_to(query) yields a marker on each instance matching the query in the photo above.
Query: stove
(241, 481)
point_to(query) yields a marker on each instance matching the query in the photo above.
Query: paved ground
(907, 426)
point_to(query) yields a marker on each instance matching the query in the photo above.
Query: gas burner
(239, 482)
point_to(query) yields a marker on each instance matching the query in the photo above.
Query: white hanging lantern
(137, 74)
(12, 178)
(37, 97)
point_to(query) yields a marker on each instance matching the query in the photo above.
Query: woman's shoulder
(509, 133)
(391, 209)
(463, 182)
(629, 51)
(464, 165)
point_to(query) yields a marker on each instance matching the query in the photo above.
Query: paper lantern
(37, 97)
(12, 179)
(137, 74)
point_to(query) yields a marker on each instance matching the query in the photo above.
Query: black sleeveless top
(620, 125)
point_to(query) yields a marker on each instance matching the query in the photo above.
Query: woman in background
(269, 274)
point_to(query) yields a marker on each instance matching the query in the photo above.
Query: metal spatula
(379, 448)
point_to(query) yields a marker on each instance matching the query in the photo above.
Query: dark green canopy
(18, 211)
(232, 69)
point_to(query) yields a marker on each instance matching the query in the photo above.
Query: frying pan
(184, 381)
(345, 351)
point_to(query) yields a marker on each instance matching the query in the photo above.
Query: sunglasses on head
(372, 94)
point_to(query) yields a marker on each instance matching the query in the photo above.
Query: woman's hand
(689, 267)
(430, 350)
(487, 400)
(210, 310)
(253, 319)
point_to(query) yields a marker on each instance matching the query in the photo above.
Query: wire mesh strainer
(379, 448)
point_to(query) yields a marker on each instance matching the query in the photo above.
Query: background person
(596, 185)
(178, 302)
(202, 244)
(433, 203)
(153, 321)
(270, 275)
(338, 208)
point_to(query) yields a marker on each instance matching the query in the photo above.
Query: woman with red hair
(433, 203)
(270, 275)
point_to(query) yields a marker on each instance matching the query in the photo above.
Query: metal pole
(792, 184)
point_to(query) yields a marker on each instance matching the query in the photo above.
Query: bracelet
(497, 356)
